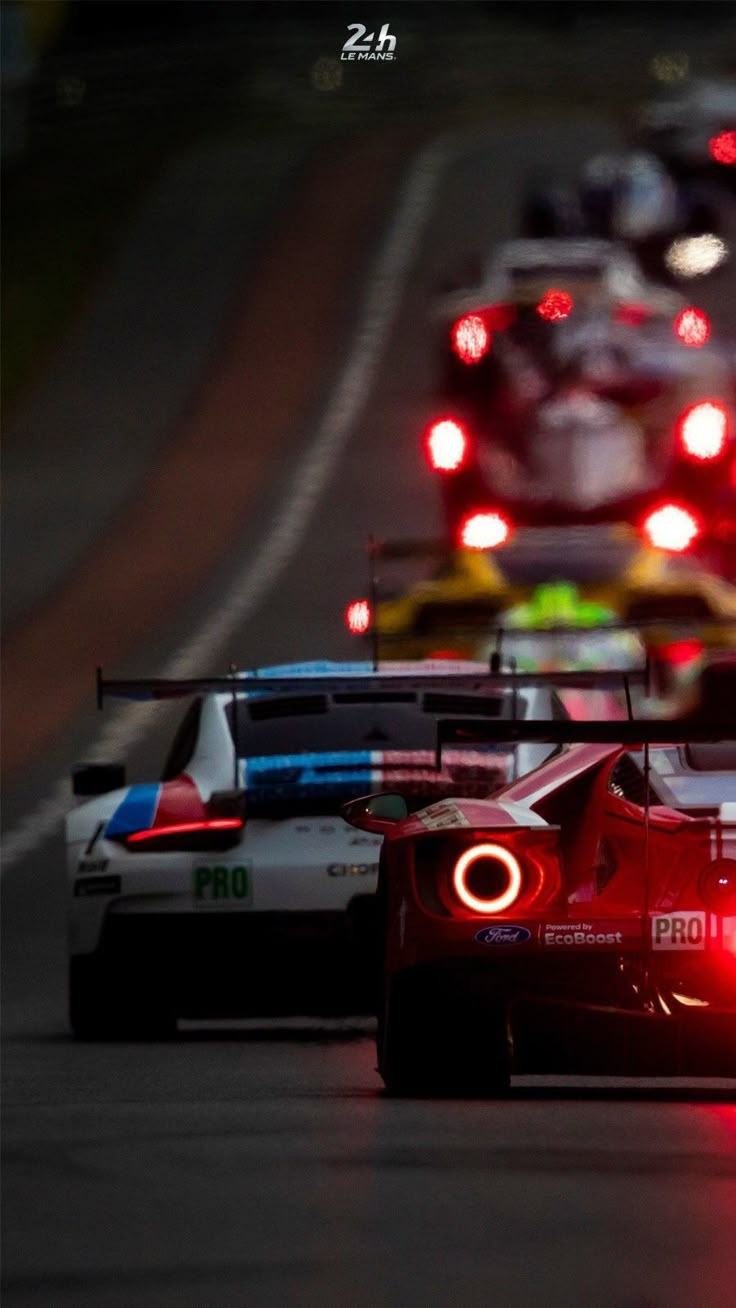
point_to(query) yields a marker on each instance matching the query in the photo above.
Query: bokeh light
(692, 327)
(695, 256)
(555, 306)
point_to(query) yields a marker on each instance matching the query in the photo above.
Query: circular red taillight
(358, 617)
(722, 148)
(447, 445)
(692, 327)
(671, 528)
(555, 306)
(487, 878)
(703, 430)
(483, 531)
(471, 339)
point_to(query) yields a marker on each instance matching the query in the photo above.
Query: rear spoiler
(629, 733)
(163, 688)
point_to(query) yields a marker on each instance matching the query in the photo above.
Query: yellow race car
(466, 598)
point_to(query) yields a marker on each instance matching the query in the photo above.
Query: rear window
(318, 723)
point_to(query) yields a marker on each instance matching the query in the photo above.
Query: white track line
(386, 284)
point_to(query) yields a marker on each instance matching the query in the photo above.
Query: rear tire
(106, 1006)
(434, 1041)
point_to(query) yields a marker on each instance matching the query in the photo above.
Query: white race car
(232, 886)
(595, 273)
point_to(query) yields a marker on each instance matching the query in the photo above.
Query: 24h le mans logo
(357, 48)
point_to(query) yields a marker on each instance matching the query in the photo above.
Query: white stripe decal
(386, 283)
(523, 816)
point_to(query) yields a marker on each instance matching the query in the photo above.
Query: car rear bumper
(247, 964)
(593, 1015)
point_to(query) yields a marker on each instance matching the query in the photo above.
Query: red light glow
(555, 306)
(703, 429)
(680, 653)
(671, 528)
(446, 445)
(631, 315)
(470, 338)
(358, 617)
(499, 855)
(484, 531)
(184, 829)
(722, 148)
(692, 327)
(499, 317)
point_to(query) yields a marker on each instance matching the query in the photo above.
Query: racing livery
(233, 886)
(611, 581)
(583, 920)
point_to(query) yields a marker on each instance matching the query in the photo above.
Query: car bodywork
(463, 595)
(583, 920)
(232, 886)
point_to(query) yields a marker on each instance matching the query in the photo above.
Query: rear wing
(494, 680)
(628, 734)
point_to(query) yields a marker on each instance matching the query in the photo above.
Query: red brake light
(206, 834)
(484, 531)
(703, 429)
(692, 327)
(671, 527)
(487, 878)
(358, 617)
(554, 306)
(447, 445)
(471, 338)
(722, 148)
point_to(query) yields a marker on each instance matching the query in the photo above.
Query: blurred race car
(593, 580)
(583, 921)
(620, 434)
(693, 126)
(527, 289)
(630, 196)
(232, 886)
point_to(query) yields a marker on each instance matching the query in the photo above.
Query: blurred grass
(61, 220)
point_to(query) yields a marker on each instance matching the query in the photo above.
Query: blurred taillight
(722, 148)
(671, 527)
(555, 306)
(446, 445)
(487, 878)
(703, 429)
(484, 530)
(471, 339)
(358, 617)
(692, 327)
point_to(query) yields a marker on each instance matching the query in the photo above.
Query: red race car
(583, 921)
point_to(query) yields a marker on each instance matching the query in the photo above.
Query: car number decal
(221, 884)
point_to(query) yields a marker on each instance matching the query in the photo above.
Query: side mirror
(375, 812)
(90, 779)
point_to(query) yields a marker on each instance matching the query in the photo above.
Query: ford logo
(503, 935)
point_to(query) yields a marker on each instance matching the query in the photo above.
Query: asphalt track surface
(264, 1166)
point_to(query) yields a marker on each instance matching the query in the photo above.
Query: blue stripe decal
(292, 775)
(136, 812)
